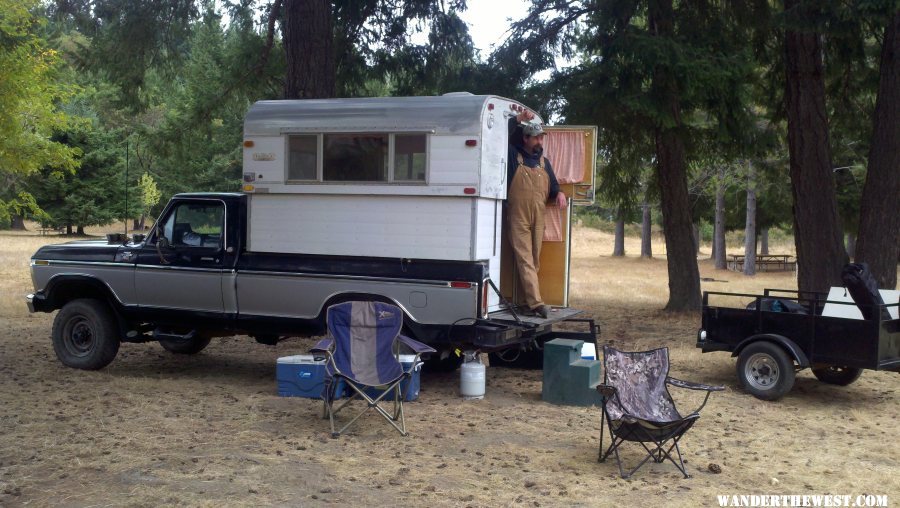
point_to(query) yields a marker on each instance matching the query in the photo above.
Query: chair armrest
(607, 391)
(415, 345)
(323, 346)
(693, 386)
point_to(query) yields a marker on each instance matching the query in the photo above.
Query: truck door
(572, 151)
(185, 271)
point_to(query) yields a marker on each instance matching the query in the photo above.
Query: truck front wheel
(837, 375)
(85, 335)
(765, 370)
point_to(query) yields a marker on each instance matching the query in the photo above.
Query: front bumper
(37, 302)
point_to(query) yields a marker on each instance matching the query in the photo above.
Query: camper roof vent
(457, 94)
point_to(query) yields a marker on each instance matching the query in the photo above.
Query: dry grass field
(208, 430)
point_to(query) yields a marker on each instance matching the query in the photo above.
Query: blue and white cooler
(302, 376)
(409, 388)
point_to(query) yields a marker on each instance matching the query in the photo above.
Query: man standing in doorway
(532, 185)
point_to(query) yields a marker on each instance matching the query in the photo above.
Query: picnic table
(766, 263)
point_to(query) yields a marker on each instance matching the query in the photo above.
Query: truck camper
(397, 199)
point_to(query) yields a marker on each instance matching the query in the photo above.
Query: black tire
(185, 347)
(837, 375)
(532, 359)
(85, 334)
(434, 362)
(765, 370)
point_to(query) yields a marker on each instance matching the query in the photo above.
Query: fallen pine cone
(714, 468)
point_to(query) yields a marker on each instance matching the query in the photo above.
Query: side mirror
(137, 238)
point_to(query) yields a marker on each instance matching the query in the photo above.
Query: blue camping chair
(362, 349)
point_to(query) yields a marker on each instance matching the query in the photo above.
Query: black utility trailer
(784, 331)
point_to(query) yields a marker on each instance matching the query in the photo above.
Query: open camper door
(572, 151)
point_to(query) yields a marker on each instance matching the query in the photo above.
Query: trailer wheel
(837, 375)
(185, 347)
(765, 370)
(85, 335)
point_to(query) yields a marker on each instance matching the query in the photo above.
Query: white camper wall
(363, 225)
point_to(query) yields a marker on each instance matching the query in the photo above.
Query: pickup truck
(192, 278)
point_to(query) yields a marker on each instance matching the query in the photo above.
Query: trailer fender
(790, 346)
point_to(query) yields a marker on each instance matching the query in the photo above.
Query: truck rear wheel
(85, 334)
(837, 375)
(765, 370)
(531, 359)
(185, 347)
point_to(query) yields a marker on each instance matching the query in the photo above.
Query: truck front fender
(65, 287)
(790, 346)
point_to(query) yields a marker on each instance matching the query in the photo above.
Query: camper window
(303, 160)
(352, 157)
(409, 157)
(355, 158)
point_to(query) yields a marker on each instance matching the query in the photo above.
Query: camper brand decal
(263, 156)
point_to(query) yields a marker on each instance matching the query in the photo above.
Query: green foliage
(29, 94)
(91, 195)
(150, 194)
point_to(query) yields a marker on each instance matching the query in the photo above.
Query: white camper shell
(393, 177)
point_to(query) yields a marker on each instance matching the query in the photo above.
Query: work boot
(542, 311)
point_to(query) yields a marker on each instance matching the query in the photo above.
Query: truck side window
(303, 158)
(195, 225)
(355, 158)
(409, 157)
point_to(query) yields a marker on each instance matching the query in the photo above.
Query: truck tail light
(461, 285)
(484, 298)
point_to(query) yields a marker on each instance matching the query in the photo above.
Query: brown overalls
(526, 198)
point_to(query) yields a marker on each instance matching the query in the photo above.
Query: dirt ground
(207, 430)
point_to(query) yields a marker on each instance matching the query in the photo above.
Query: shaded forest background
(745, 115)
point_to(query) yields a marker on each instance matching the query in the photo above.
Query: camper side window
(355, 158)
(409, 157)
(303, 159)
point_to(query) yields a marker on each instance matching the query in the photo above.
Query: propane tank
(471, 376)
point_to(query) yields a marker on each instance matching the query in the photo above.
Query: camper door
(572, 151)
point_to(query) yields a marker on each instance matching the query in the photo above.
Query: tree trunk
(695, 229)
(719, 253)
(684, 275)
(647, 232)
(142, 222)
(68, 229)
(764, 242)
(878, 243)
(135, 224)
(817, 231)
(309, 49)
(851, 245)
(750, 225)
(18, 223)
(619, 246)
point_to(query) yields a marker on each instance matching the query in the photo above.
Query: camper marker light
(471, 142)
(490, 106)
(248, 143)
(248, 188)
(469, 190)
(462, 285)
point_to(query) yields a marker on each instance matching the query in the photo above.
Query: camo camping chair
(362, 349)
(637, 406)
